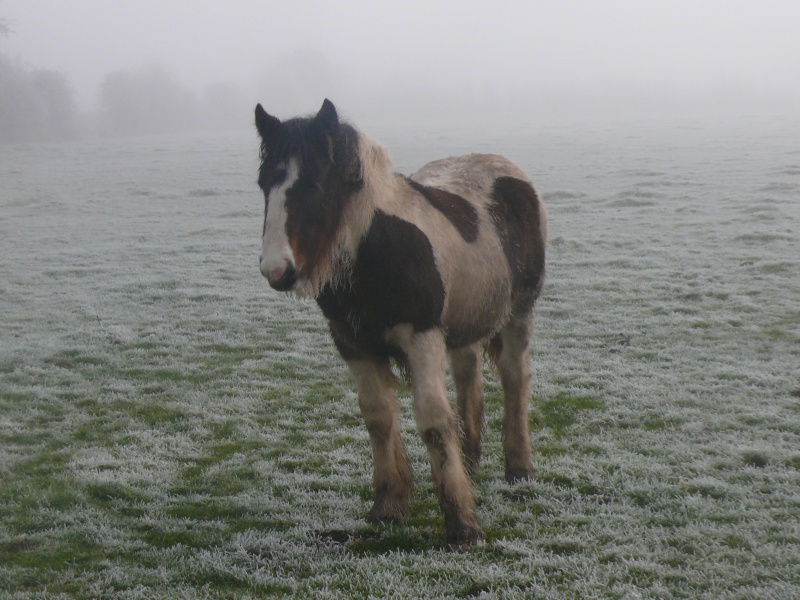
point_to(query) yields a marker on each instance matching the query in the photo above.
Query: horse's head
(309, 169)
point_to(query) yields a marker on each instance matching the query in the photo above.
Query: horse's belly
(478, 301)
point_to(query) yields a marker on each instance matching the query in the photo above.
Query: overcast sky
(682, 46)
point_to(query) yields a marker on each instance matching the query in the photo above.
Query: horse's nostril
(283, 279)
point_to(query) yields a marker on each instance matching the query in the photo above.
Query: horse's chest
(394, 280)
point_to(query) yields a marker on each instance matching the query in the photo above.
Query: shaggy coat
(420, 270)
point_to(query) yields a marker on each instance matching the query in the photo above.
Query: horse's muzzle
(282, 278)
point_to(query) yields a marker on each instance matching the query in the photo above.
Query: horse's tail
(494, 348)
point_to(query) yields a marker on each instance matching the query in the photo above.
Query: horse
(443, 265)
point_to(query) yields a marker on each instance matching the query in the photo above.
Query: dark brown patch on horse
(515, 212)
(458, 211)
(393, 281)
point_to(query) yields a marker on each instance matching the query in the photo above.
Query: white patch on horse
(276, 252)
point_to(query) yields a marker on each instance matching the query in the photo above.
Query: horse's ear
(327, 117)
(265, 123)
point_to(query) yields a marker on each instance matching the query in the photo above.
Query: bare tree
(34, 104)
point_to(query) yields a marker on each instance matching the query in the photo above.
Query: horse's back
(487, 181)
(468, 175)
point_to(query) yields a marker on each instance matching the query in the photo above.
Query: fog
(185, 64)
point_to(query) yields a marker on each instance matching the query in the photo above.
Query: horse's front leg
(437, 424)
(381, 411)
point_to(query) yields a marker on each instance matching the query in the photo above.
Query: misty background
(98, 68)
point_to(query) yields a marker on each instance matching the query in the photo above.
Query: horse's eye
(279, 173)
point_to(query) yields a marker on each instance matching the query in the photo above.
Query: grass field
(172, 428)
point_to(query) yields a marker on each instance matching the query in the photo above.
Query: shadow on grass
(372, 542)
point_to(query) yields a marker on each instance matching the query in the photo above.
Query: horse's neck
(380, 182)
(377, 170)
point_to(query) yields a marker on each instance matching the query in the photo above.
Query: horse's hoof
(465, 539)
(387, 514)
(380, 518)
(517, 475)
(392, 504)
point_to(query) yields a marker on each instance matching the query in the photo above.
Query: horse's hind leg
(515, 375)
(465, 366)
(380, 409)
(427, 357)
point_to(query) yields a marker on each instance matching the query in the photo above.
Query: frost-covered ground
(170, 427)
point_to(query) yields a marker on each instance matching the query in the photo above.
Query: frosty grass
(172, 428)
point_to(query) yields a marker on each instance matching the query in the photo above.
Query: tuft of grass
(755, 459)
(563, 410)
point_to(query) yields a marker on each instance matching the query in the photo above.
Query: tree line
(152, 100)
(39, 104)
(35, 104)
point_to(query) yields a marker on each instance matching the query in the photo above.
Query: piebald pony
(439, 265)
